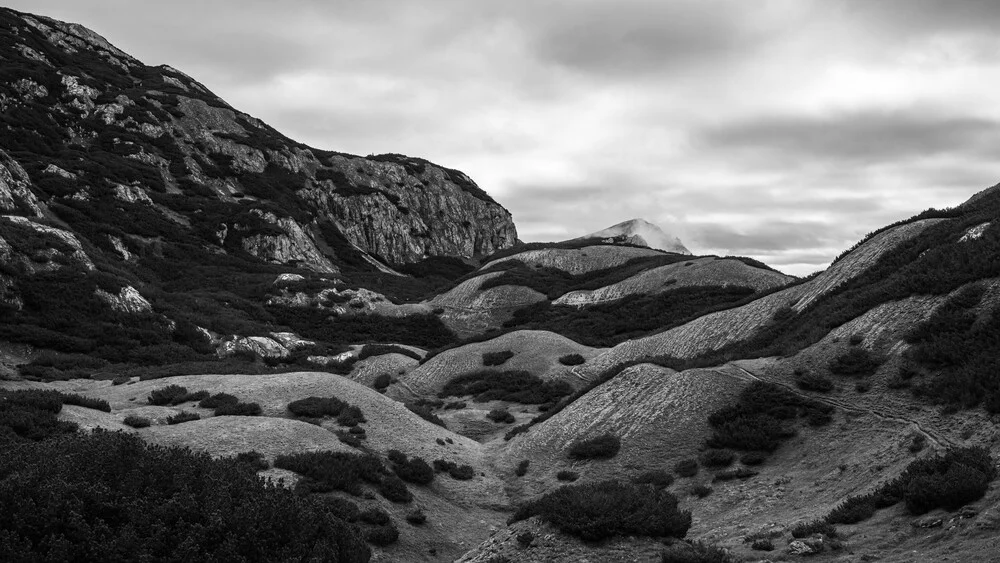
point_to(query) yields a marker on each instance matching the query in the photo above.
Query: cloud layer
(782, 130)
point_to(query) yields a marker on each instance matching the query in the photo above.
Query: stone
(807, 546)
(927, 522)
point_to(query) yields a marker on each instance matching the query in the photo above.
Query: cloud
(857, 137)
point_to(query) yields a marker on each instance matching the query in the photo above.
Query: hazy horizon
(784, 131)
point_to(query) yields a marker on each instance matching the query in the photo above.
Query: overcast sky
(783, 130)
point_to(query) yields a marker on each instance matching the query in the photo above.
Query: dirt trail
(935, 438)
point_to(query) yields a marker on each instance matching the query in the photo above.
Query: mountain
(639, 232)
(192, 304)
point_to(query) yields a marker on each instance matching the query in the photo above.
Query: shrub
(136, 421)
(686, 468)
(350, 416)
(393, 489)
(333, 471)
(604, 446)
(416, 517)
(462, 472)
(522, 468)
(341, 508)
(760, 419)
(497, 358)
(566, 475)
(806, 529)
(348, 438)
(658, 478)
(375, 516)
(814, 382)
(120, 497)
(382, 381)
(426, 414)
(86, 402)
(217, 400)
(121, 380)
(572, 360)
(753, 458)
(183, 416)
(599, 510)
(31, 415)
(413, 470)
(443, 465)
(525, 538)
(917, 443)
(717, 458)
(317, 407)
(382, 535)
(238, 409)
(695, 552)
(701, 490)
(502, 416)
(167, 395)
(254, 459)
(514, 386)
(855, 362)
(762, 544)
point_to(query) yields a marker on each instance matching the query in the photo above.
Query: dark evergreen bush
(717, 458)
(238, 409)
(393, 489)
(183, 416)
(334, 471)
(855, 362)
(497, 358)
(136, 421)
(375, 516)
(426, 414)
(87, 402)
(566, 475)
(695, 552)
(254, 459)
(753, 458)
(701, 490)
(524, 539)
(572, 360)
(31, 415)
(599, 510)
(658, 478)
(686, 468)
(501, 416)
(514, 386)
(734, 473)
(120, 498)
(761, 418)
(317, 407)
(462, 472)
(382, 381)
(412, 470)
(167, 395)
(382, 535)
(217, 400)
(806, 529)
(522, 468)
(604, 446)
(416, 517)
(814, 382)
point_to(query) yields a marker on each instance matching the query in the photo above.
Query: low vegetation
(572, 360)
(370, 350)
(856, 362)
(567, 475)
(412, 470)
(595, 511)
(604, 446)
(497, 358)
(318, 407)
(182, 417)
(656, 478)
(762, 418)
(425, 413)
(514, 386)
(686, 468)
(502, 416)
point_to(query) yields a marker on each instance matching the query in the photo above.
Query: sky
(784, 130)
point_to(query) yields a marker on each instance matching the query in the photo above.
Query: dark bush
(183, 416)
(121, 499)
(416, 517)
(426, 414)
(753, 458)
(701, 490)
(341, 508)
(351, 416)
(217, 400)
(658, 478)
(599, 510)
(605, 446)
(382, 535)
(524, 539)
(382, 381)
(86, 402)
(806, 529)
(462, 472)
(695, 552)
(347, 438)
(686, 468)
(762, 544)
(572, 360)
(121, 380)
(238, 409)
(514, 386)
(855, 362)
(167, 395)
(717, 458)
(814, 382)
(136, 421)
(334, 471)
(502, 416)
(762, 418)
(412, 470)
(393, 489)
(254, 459)
(497, 358)
(566, 475)
(317, 407)
(522, 468)
(375, 516)
(443, 465)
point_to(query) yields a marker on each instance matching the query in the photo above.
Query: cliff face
(84, 122)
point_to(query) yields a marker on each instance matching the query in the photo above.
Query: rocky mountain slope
(641, 233)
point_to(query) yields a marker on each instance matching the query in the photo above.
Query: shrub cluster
(119, 496)
(497, 358)
(514, 386)
(334, 471)
(318, 407)
(760, 419)
(695, 552)
(950, 480)
(855, 362)
(604, 446)
(572, 360)
(814, 382)
(657, 478)
(174, 395)
(183, 416)
(500, 415)
(31, 415)
(734, 473)
(87, 402)
(411, 470)
(567, 475)
(458, 472)
(425, 413)
(595, 511)
(686, 468)
(717, 458)
(522, 468)
(136, 421)
(806, 529)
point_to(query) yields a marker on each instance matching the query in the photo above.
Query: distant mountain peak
(640, 232)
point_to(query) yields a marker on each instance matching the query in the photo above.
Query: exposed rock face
(15, 194)
(261, 346)
(292, 245)
(128, 300)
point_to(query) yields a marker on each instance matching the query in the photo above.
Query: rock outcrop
(641, 233)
